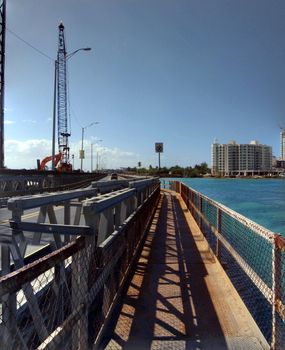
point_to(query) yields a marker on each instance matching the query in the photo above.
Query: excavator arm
(47, 159)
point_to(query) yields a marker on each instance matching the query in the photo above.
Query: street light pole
(81, 154)
(67, 57)
(82, 151)
(92, 144)
(92, 157)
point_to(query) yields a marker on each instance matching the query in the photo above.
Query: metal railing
(22, 182)
(60, 296)
(253, 257)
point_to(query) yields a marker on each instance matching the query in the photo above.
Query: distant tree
(195, 173)
(176, 170)
(203, 167)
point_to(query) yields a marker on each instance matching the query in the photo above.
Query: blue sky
(179, 72)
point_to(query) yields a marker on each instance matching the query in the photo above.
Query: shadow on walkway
(166, 303)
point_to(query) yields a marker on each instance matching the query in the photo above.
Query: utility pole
(2, 76)
(97, 160)
(81, 152)
(92, 157)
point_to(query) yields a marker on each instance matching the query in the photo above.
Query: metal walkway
(178, 296)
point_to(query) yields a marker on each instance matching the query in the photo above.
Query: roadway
(5, 214)
(32, 216)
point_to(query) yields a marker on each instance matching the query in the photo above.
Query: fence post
(83, 265)
(278, 246)
(192, 203)
(188, 198)
(200, 213)
(219, 229)
(9, 303)
(79, 292)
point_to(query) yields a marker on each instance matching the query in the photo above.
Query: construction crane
(61, 159)
(62, 116)
(60, 91)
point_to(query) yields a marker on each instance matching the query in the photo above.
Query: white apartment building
(282, 144)
(234, 159)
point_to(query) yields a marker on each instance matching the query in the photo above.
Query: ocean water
(261, 200)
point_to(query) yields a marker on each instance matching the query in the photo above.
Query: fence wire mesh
(253, 258)
(32, 316)
(62, 300)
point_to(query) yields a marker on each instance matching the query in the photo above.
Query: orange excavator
(60, 167)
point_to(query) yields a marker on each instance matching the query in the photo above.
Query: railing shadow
(166, 299)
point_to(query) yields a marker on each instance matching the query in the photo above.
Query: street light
(92, 144)
(81, 154)
(68, 56)
(100, 159)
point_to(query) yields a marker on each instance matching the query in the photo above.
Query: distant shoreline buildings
(234, 159)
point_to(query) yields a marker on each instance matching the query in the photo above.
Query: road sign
(159, 147)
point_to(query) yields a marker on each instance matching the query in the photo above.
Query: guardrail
(254, 259)
(108, 186)
(17, 182)
(62, 299)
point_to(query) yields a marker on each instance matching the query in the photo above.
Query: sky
(181, 72)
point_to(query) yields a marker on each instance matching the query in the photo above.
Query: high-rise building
(282, 144)
(233, 159)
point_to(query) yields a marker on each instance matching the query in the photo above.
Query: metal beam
(13, 281)
(52, 228)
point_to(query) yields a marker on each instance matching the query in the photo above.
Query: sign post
(159, 149)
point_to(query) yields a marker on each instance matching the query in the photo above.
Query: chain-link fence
(37, 298)
(253, 257)
(63, 299)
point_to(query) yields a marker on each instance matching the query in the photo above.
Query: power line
(30, 45)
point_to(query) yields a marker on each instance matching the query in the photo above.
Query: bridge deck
(179, 297)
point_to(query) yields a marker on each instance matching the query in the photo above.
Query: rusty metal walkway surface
(178, 296)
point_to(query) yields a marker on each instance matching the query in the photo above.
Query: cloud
(31, 121)
(111, 158)
(24, 154)
(8, 122)
(8, 109)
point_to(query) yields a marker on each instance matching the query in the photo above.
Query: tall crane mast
(62, 115)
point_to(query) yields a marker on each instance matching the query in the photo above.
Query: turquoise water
(261, 200)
